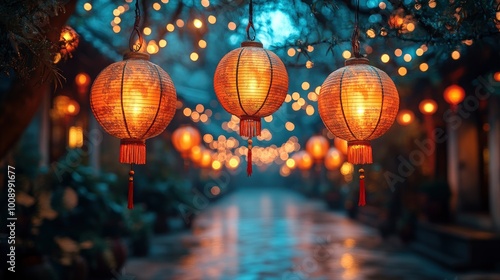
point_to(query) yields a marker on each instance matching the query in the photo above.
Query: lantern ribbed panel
(251, 81)
(358, 102)
(133, 99)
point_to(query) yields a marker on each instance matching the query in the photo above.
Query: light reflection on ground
(276, 234)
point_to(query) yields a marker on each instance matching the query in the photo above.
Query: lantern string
(132, 46)
(249, 158)
(362, 191)
(131, 188)
(250, 22)
(355, 34)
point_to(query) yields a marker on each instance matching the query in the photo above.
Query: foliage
(26, 46)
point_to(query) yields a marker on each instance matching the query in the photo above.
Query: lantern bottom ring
(133, 151)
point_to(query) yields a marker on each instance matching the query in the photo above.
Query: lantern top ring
(254, 44)
(356, 60)
(136, 55)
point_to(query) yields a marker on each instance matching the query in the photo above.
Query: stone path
(277, 234)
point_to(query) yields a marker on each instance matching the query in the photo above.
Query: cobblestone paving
(276, 234)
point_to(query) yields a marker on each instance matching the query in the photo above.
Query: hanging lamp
(358, 103)
(251, 83)
(184, 139)
(317, 146)
(133, 100)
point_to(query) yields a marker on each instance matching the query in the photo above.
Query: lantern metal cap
(357, 60)
(254, 44)
(136, 55)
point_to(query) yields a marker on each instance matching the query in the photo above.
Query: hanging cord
(362, 191)
(355, 33)
(249, 158)
(131, 188)
(131, 43)
(250, 22)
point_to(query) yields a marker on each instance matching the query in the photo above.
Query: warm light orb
(405, 117)
(303, 160)
(186, 138)
(206, 158)
(454, 94)
(82, 81)
(333, 159)
(346, 168)
(216, 165)
(195, 154)
(496, 76)
(290, 163)
(385, 58)
(198, 23)
(73, 108)
(428, 107)
(317, 146)
(68, 40)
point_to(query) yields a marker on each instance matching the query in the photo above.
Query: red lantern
(317, 146)
(250, 82)
(333, 159)
(358, 103)
(133, 100)
(303, 160)
(454, 94)
(184, 139)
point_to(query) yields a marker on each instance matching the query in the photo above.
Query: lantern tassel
(249, 158)
(133, 151)
(362, 191)
(359, 152)
(250, 126)
(131, 189)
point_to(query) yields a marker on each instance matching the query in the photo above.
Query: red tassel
(131, 189)
(362, 192)
(249, 158)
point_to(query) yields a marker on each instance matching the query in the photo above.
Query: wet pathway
(276, 234)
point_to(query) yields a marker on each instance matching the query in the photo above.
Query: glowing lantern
(303, 160)
(68, 41)
(186, 138)
(73, 108)
(454, 94)
(206, 158)
(250, 82)
(195, 154)
(317, 146)
(82, 81)
(358, 103)
(333, 159)
(133, 100)
(75, 137)
(496, 76)
(405, 117)
(428, 107)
